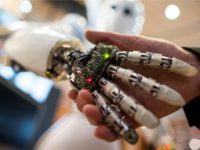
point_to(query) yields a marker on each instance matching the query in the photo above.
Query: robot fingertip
(131, 137)
(146, 118)
(191, 71)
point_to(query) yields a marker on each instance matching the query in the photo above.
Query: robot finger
(160, 91)
(158, 61)
(114, 118)
(128, 104)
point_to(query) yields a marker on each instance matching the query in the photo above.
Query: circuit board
(88, 70)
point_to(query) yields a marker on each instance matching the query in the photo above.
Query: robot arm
(32, 47)
(55, 55)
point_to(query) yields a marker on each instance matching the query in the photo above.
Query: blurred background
(175, 20)
(52, 119)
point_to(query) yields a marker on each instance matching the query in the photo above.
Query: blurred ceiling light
(172, 12)
(1, 3)
(137, 29)
(140, 20)
(194, 144)
(6, 72)
(25, 6)
(81, 21)
(139, 6)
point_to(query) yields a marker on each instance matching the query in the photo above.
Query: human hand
(188, 87)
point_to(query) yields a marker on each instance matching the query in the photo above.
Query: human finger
(128, 42)
(73, 94)
(93, 114)
(105, 133)
(84, 97)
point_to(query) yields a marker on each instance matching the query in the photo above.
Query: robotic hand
(58, 56)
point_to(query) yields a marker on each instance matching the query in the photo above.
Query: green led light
(106, 56)
(48, 74)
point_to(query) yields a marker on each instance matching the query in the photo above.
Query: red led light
(89, 80)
